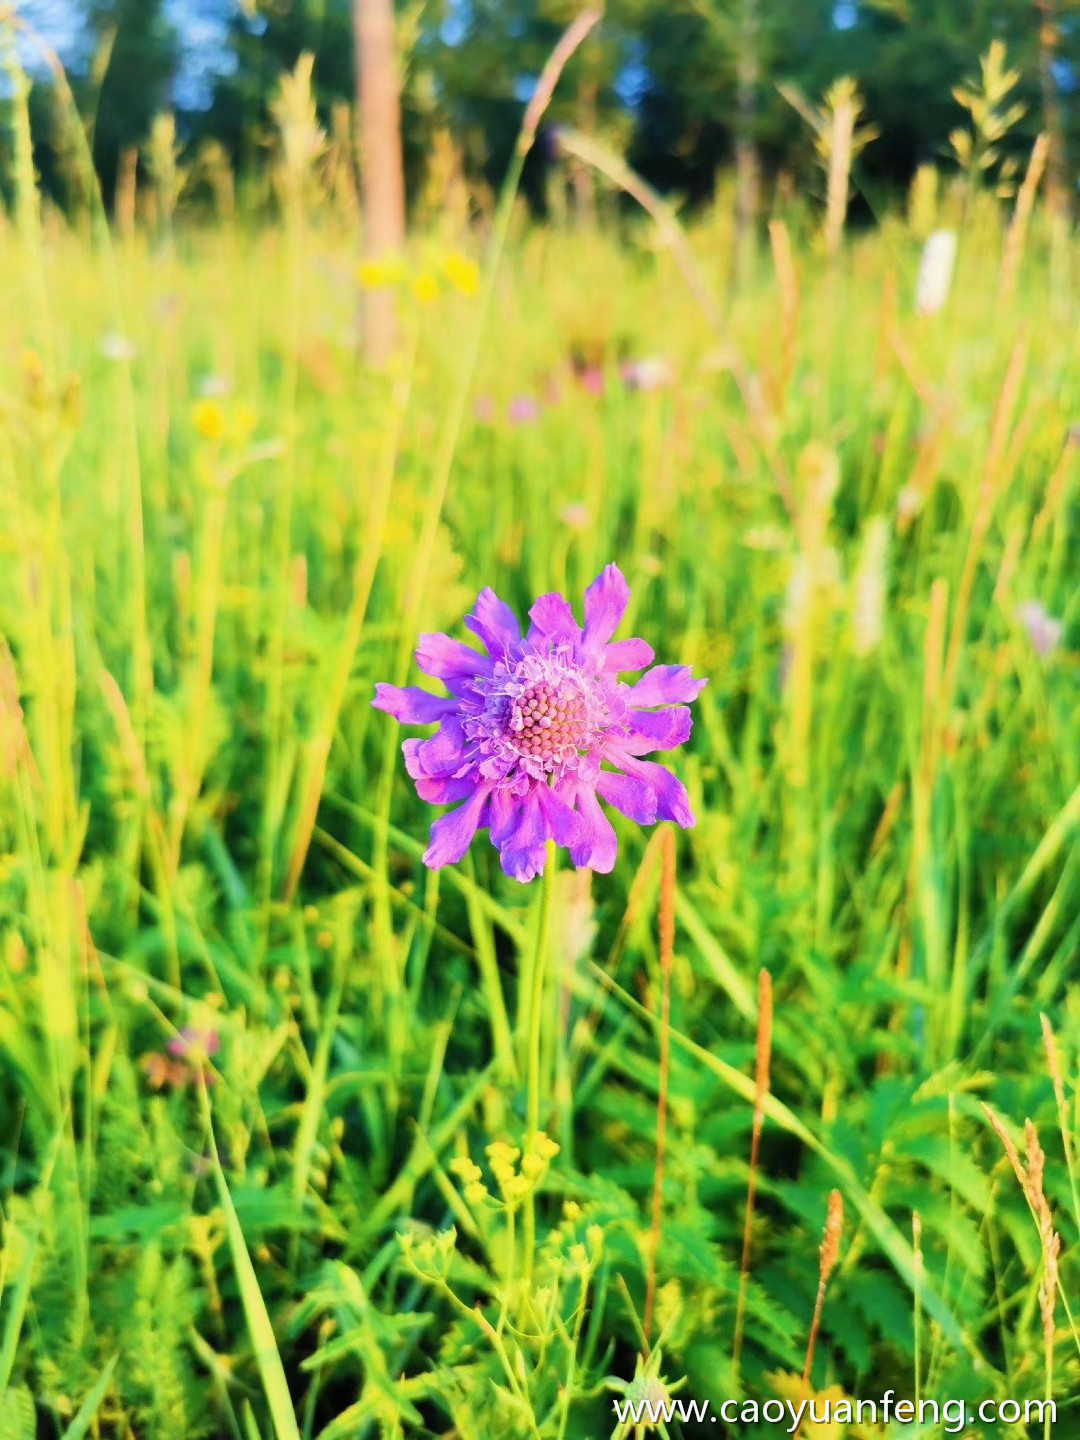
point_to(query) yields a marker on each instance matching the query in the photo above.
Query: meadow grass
(220, 531)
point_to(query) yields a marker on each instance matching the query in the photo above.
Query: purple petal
(450, 661)
(671, 801)
(410, 749)
(597, 845)
(411, 705)
(563, 826)
(657, 730)
(451, 835)
(445, 789)
(553, 620)
(503, 818)
(522, 838)
(626, 655)
(445, 752)
(666, 685)
(631, 796)
(494, 622)
(606, 600)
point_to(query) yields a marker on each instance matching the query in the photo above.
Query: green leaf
(89, 1408)
(261, 1331)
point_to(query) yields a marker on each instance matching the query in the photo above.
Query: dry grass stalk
(838, 142)
(124, 194)
(931, 448)
(162, 160)
(301, 137)
(1049, 1242)
(828, 1255)
(762, 1063)
(780, 241)
(339, 168)
(1053, 1061)
(667, 951)
(556, 63)
(841, 153)
(1055, 488)
(1025, 203)
(1030, 1177)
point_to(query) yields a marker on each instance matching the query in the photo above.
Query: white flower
(868, 610)
(115, 346)
(214, 387)
(935, 272)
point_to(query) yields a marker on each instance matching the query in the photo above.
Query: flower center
(540, 716)
(546, 721)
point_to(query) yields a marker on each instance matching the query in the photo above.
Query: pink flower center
(541, 716)
(548, 720)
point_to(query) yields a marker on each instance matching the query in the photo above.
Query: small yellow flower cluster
(214, 422)
(381, 274)
(583, 1256)
(461, 273)
(503, 1160)
(471, 1177)
(427, 1251)
(456, 270)
(39, 399)
(514, 1180)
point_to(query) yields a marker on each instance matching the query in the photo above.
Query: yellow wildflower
(462, 273)
(425, 288)
(208, 419)
(466, 1169)
(378, 274)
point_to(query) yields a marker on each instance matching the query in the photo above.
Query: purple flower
(538, 730)
(1044, 631)
(591, 379)
(194, 1044)
(523, 410)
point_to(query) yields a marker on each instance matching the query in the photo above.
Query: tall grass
(220, 530)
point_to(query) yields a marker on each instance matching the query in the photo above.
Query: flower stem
(537, 976)
(533, 1016)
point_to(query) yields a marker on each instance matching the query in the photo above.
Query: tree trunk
(582, 174)
(747, 75)
(1056, 174)
(381, 177)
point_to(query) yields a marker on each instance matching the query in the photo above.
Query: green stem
(533, 1016)
(537, 976)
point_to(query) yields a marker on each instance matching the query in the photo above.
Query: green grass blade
(261, 1331)
(80, 1426)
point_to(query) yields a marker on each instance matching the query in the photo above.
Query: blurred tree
(263, 45)
(684, 87)
(485, 57)
(139, 49)
(910, 56)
